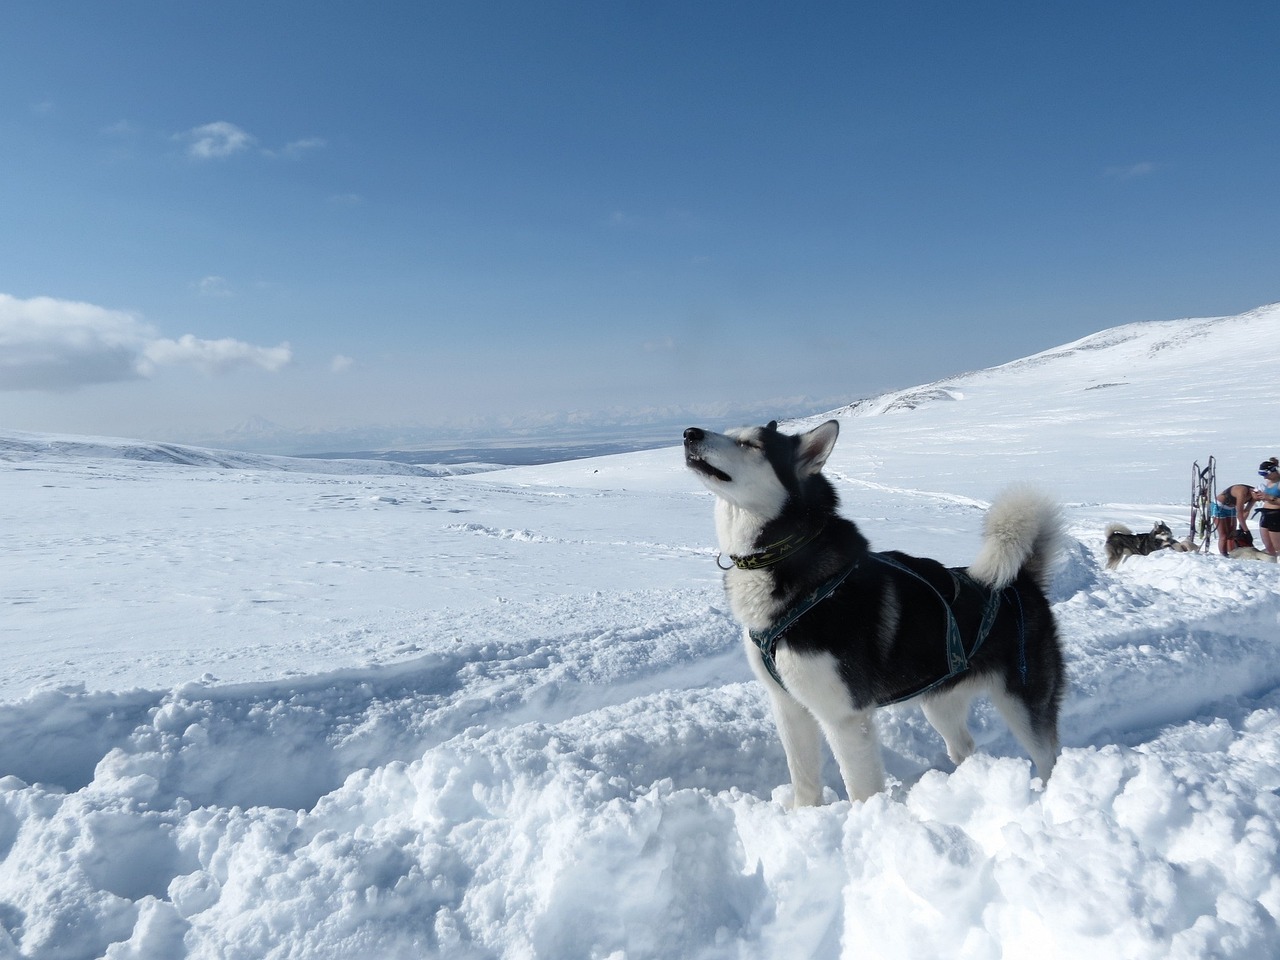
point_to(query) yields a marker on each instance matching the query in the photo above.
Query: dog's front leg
(851, 731)
(802, 742)
(853, 740)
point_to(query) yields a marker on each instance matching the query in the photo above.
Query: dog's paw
(789, 798)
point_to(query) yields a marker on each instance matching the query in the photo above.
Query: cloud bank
(62, 345)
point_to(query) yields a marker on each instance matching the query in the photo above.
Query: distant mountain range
(600, 431)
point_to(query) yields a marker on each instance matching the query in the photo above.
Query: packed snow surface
(256, 708)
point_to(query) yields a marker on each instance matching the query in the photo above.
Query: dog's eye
(750, 445)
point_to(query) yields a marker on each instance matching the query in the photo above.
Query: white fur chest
(751, 598)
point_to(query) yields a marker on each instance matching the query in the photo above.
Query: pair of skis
(1204, 491)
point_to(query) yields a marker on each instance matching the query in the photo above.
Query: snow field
(422, 808)
(263, 710)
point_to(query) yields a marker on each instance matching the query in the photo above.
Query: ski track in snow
(508, 715)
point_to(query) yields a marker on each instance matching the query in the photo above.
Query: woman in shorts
(1268, 500)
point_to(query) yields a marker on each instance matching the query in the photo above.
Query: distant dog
(834, 631)
(1251, 553)
(1123, 543)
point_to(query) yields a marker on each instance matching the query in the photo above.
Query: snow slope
(262, 709)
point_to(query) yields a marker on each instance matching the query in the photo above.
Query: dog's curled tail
(1022, 530)
(1116, 528)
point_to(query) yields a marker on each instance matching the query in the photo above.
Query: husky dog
(1251, 553)
(835, 631)
(1123, 543)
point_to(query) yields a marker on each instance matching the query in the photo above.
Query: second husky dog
(835, 631)
(1123, 543)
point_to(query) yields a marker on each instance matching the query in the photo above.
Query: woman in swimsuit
(1231, 511)
(1268, 498)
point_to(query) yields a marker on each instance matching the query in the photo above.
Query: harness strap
(767, 640)
(957, 657)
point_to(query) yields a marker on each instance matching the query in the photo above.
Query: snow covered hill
(16, 445)
(1119, 416)
(285, 709)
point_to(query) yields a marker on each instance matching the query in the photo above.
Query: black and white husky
(1123, 543)
(835, 631)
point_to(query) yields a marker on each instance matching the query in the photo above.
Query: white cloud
(221, 139)
(61, 345)
(213, 287)
(298, 147)
(341, 364)
(215, 356)
(213, 141)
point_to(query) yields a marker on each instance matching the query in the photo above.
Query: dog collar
(773, 553)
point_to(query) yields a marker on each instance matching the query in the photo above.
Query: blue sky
(467, 216)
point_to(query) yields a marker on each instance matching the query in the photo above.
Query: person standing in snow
(1231, 513)
(1268, 499)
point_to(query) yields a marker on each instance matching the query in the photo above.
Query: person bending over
(1231, 513)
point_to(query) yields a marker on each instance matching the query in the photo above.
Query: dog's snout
(694, 435)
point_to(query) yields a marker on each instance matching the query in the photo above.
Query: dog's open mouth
(696, 463)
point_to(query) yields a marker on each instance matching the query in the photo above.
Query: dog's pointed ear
(816, 446)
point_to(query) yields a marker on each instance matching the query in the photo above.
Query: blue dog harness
(957, 657)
